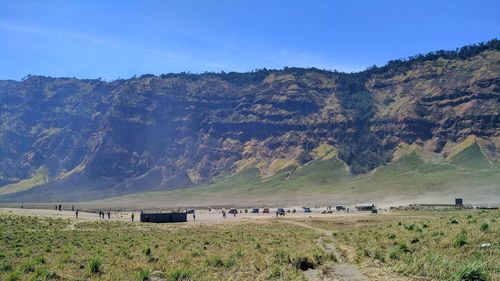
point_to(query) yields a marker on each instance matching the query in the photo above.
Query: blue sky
(112, 39)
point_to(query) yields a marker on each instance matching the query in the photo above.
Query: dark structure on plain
(340, 208)
(163, 217)
(459, 201)
(366, 207)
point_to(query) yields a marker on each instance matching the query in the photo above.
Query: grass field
(433, 245)
(438, 245)
(50, 249)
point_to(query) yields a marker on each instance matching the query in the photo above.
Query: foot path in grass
(344, 269)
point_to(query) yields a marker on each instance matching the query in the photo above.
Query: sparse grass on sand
(431, 245)
(439, 245)
(35, 248)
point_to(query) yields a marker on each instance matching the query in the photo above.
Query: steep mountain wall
(92, 138)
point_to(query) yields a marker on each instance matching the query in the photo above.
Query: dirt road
(202, 216)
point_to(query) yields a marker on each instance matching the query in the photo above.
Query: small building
(365, 207)
(163, 217)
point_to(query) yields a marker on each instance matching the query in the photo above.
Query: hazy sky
(111, 39)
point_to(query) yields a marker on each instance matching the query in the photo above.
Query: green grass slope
(40, 177)
(410, 175)
(308, 181)
(471, 158)
(328, 180)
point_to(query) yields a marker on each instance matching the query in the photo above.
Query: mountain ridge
(98, 139)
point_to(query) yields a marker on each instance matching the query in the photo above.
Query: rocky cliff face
(94, 139)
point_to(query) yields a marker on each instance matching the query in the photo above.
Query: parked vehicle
(233, 211)
(281, 211)
(266, 211)
(190, 211)
(307, 210)
(255, 211)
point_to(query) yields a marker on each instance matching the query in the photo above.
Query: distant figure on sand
(223, 214)
(277, 213)
(132, 217)
(194, 217)
(76, 213)
(100, 214)
(109, 215)
(22, 205)
(72, 207)
(60, 207)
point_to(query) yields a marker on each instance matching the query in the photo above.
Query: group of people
(57, 207)
(103, 214)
